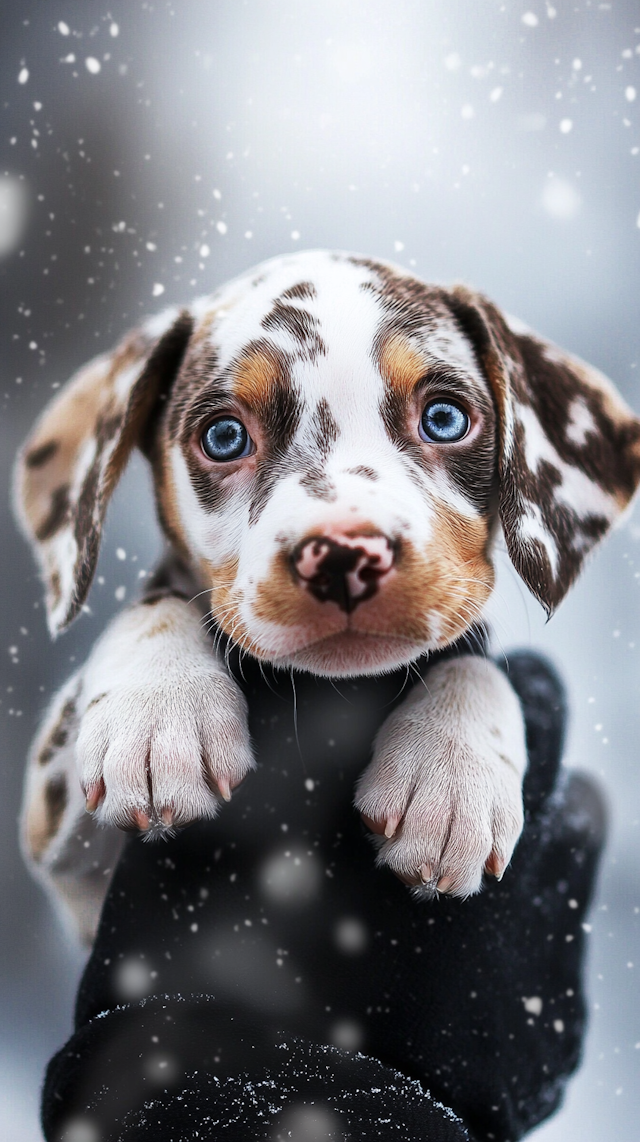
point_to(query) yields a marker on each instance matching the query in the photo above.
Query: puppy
(334, 446)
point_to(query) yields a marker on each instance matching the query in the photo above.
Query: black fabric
(231, 1077)
(236, 962)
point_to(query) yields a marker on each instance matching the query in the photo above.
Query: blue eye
(443, 422)
(226, 439)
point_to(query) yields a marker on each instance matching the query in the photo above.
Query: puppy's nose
(345, 570)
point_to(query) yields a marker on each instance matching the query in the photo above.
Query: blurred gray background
(152, 150)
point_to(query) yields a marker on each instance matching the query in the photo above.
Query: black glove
(478, 1002)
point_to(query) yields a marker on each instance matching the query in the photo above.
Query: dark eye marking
(443, 422)
(226, 439)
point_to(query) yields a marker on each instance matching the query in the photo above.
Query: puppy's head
(334, 444)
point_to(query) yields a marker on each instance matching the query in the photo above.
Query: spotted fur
(343, 543)
(76, 454)
(569, 449)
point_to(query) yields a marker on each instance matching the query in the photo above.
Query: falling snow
(483, 150)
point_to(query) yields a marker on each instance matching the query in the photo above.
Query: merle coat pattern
(339, 540)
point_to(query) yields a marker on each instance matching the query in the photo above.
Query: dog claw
(495, 866)
(141, 819)
(444, 884)
(224, 788)
(425, 873)
(391, 826)
(94, 795)
(167, 817)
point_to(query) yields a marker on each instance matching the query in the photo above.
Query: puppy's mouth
(360, 606)
(349, 653)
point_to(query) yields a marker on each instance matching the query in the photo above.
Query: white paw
(153, 756)
(443, 790)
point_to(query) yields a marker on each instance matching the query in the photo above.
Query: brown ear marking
(569, 459)
(58, 514)
(74, 457)
(39, 456)
(45, 814)
(59, 735)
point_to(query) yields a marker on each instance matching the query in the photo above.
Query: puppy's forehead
(318, 307)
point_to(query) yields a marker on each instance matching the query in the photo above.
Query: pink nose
(346, 570)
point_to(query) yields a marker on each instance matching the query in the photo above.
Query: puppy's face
(333, 444)
(328, 458)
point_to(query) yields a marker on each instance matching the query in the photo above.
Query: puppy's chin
(351, 654)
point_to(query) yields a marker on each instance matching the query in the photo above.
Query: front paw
(443, 791)
(155, 756)
(446, 831)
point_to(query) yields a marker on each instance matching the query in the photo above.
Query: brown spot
(319, 486)
(95, 701)
(57, 516)
(364, 471)
(258, 370)
(324, 428)
(45, 814)
(401, 365)
(301, 326)
(160, 627)
(303, 291)
(59, 735)
(41, 455)
(55, 588)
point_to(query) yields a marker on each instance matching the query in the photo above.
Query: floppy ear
(569, 450)
(72, 460)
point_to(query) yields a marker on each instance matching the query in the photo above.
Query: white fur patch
(156, 705)
(575, 489)
(447, 771)
(580, 422)
(531, 526)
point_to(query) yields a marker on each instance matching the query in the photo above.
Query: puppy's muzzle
(346, 570)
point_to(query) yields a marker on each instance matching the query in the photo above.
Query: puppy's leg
(444, 787)
(66, 851)
(150, 733)
(163, 728)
